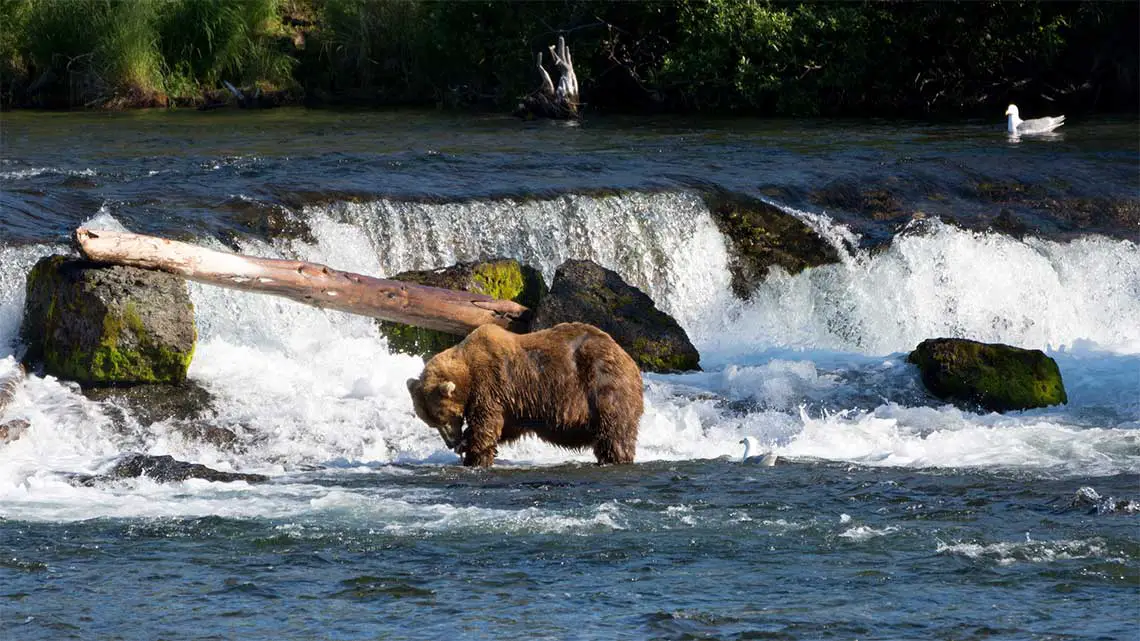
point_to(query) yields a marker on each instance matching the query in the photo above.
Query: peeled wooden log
(446, 310)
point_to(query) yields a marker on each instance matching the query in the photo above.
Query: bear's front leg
(481, 439)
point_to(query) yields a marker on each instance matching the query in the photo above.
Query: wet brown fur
(570, 385)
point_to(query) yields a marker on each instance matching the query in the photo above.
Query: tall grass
(127, 50)
(207, 41)
(96, 48)
(371, 44)
(99, 51)
(13, 65)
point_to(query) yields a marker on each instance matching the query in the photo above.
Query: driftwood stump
(557, 102)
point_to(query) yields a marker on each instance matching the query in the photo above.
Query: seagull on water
(767, 459)
(1016, 126)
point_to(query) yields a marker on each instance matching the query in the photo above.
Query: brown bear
(570, 385)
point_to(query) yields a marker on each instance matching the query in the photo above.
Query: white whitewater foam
(664, 243)
(1008, 553)
(303, 386)
(862, 533)
(32, 172)
(15, 262)
(945, 282)
(946, 437)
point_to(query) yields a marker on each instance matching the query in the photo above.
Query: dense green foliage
(742, 56)
(135, 52)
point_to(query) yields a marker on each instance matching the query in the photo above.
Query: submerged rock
(873, 201)
(269, 221)
(107, 325)
(994, 377)
(165, 469)
(1060, 203)
(1088, 499)
(13, 430)
(502, 278)
(149, 404)
(187, 408)
(586, 292)
(762, 236)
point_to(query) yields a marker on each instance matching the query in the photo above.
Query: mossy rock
(588, 293)
(149, 404)
(762, 236)
(107, 325)
(990, 376)
(501, 278)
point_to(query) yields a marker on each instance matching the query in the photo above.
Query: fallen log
(445, 310)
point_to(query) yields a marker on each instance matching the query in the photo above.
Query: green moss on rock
(501, 278)
(991, 376)
(762, 236)
(101, 325)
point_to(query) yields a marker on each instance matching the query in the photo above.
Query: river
(890, 514)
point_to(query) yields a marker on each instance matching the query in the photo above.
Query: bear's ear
(448, 388)
(413, 383)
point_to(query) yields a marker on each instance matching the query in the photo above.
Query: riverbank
(722, 56)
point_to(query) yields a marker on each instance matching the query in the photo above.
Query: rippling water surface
(890, 515)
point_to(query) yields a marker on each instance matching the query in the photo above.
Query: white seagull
(767, 459)
(1016, 126)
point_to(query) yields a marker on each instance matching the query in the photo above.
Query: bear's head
(439, 400)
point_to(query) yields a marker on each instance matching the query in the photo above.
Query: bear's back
(568, 355)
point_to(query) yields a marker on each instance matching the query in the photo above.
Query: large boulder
(990, 376)
(502, 278)
(586, 292)
(761, 236)
(107, 325)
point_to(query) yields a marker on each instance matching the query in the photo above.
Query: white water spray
(302, 386)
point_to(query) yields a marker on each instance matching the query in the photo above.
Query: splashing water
(810, 365)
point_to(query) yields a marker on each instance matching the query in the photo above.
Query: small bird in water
(767, 459)
(1016, 126)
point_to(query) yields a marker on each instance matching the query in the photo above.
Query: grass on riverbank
(767, 57)
(114, 53)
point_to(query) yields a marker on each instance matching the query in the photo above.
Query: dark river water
(888, 516)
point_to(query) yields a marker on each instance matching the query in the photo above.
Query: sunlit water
(891, 515)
